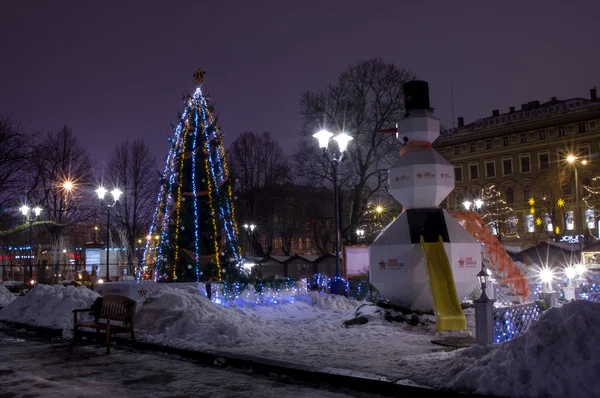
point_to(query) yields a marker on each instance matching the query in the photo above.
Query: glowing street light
(68, 185)
(323, 136)
(478, 203)
(570, 272)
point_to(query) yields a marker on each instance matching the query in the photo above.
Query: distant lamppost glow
(478, 203)
(108, 203)
(379, 209)
(467, 204)
(335, 159)
(68, 185)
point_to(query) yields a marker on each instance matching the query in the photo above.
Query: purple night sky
(115, 69)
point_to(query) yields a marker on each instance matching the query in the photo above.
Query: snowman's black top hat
(416, 95)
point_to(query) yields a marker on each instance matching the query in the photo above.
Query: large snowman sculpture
(402, 268)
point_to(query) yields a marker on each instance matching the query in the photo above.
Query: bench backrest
(118, 308)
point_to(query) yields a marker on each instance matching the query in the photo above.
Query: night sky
(118, 69)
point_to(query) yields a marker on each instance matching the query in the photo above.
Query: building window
(530, 223)
(542, 135)
(525, 163)
(510, 195)
(544, 161)
(457, 150)
(527, 193)
(505, 141)
(507, 167)
(458, 176)
(590, 218)
(548, 222)
(472, 147)
(490, 168)
(593, 125)
(561, 131)
(583, 152)
(474, 171)
(523, 138)
(569, 220)
(581, 128)
(488, 144)
(513, 221)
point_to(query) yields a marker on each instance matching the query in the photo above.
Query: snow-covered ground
(558, 357)
(54, 369)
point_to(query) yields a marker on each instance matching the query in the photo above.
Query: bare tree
(14, 154)
(260, 170)
(61, 181)
(132, 169)
(367, 97)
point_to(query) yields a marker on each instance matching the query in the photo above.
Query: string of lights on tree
(194, 218)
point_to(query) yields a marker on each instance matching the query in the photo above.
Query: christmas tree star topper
(199, 76)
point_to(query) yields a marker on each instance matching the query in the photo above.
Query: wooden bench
(112, 308)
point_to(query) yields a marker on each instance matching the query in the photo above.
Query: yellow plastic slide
(448, 311)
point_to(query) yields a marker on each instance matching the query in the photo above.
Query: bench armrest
(83, 310)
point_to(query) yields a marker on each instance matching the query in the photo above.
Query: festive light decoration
(532, 211)
(560, 202)
(538, 221)
(531, 202)
(557, 230)
(194, 219)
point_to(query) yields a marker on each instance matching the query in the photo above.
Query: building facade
(522, 154)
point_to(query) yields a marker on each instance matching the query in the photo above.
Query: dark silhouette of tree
(260, 170)
(58, 159)
(366, 97)
(132, 169)
(15, 150)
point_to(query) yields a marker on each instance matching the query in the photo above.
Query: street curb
(315, 375)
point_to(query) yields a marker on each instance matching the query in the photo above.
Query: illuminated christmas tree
(194, 235)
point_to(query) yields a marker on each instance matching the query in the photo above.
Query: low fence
(510, 322)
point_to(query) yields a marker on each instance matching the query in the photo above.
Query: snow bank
(49, 306)
(6, 297)
(559, 356)
(329, 302)
(174, 317)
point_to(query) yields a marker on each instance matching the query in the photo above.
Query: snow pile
(175, 316)
(559, 356)
(49, 306)
(329, 302)
(5, 296)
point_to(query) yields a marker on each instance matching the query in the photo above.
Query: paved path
(36, 368)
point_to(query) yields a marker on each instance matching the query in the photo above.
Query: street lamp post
(360, 234)
(108, 204)
(30, 216)
(336, 158)
(572, 160)
(484, 317)
(249, 227)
